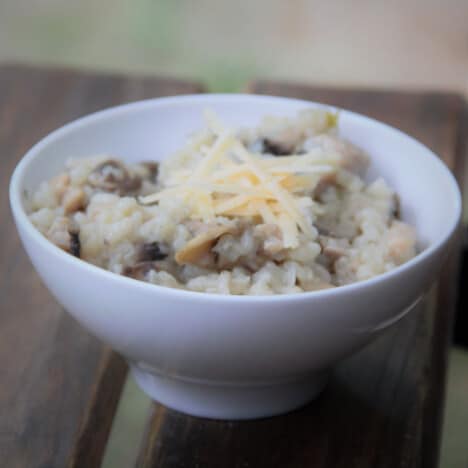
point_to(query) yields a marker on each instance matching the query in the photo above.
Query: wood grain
(59, 385)
(383, 406)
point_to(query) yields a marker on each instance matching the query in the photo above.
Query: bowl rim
(21, 217)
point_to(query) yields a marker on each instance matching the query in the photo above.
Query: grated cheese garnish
(231, 181)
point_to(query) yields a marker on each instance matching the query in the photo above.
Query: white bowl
(235, 357)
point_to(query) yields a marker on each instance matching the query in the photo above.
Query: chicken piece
(352, 158)
(60, 184)
(73, 200)
(401, 240)
(333, 248)
(271, 236)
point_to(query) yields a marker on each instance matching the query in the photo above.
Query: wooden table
(60, 386)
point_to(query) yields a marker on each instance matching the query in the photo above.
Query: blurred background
(411, 44)
(402, 43)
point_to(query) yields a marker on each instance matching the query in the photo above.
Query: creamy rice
(281, 208)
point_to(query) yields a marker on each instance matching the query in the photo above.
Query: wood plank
(383, 406)
(461, 322)
(60, 386)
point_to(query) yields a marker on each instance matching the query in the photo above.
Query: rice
(277, 209)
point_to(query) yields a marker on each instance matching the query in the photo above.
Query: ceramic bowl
(235, 357)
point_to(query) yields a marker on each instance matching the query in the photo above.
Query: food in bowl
(233, 356)
(280, 208)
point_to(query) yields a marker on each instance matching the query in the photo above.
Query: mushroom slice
(75, 244)
(152, 169)
(278, 147)
(139, 270)
(326, 181)
(151, 252)
(113, 176)
(64, 235)
(395, 207)
(200, 245)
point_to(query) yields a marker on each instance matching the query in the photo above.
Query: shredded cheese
(231, 181)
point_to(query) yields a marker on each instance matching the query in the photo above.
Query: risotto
(280, 208)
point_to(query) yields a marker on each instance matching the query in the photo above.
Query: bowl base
(225, 401)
